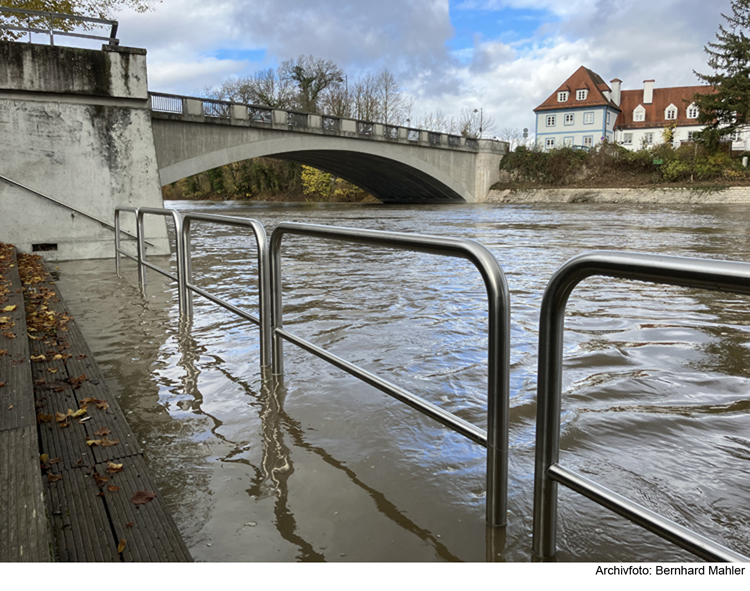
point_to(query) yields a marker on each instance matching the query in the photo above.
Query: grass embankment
(612, 167)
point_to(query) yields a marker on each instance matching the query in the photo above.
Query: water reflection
(325, 468)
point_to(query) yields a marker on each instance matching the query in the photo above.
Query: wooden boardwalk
(101, 503)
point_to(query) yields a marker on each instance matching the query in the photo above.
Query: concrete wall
(75, 126)
(698, 195)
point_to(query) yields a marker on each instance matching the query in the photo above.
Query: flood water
(656, 401)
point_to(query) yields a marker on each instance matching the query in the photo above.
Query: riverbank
(707, 195)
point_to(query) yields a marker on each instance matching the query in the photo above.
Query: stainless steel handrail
(263, 321)
(498, 399)
(118, 251)
(141, 212)
(58, 15)
(690, 272)
(65, 205)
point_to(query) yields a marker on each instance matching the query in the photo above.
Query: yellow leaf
(9, 308)
(121, 546)
(79, 412)
(52, 369)
(38, 358)
(4, 319)
(92, 442)
(44, 458)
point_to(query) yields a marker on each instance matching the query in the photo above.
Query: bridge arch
(391, 171)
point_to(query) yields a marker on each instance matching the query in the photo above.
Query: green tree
(728, 108)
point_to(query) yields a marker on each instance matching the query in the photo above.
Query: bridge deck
(101, 502)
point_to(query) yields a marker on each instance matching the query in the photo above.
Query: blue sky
(505, 56)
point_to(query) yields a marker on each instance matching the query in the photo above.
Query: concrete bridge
(395, 164)
(81, 134)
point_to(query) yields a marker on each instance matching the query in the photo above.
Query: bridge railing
(33, 17)
(299, 121)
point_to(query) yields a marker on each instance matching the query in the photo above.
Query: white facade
(575, 127)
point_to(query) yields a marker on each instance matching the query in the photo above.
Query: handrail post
(141, 249)
(715, 275)
(187, 266)
(117, 242)
(277, 317)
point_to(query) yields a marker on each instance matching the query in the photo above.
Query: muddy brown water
(656, 401)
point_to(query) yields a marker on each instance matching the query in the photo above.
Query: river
(656, 402)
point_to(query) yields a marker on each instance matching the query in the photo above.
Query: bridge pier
(75, 126)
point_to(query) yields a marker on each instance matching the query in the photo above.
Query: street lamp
(345, 80)
(481, 120)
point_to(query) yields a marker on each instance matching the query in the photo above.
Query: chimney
(648, 92)
(616, 84)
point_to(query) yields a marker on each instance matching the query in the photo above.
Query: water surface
(655, 405)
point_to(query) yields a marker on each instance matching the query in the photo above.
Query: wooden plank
(90, 520)
(23, 526)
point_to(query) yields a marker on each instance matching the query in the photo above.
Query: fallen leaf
(43, 418)
(9, 335)
(113, 468)
(10, 407)
(54, 477)
(9, 308)
(92, 442)
(4, 319)
(100, 480)
(130, 524)
(113, 488)
(142, 497)
(77, 380)
(3, 352)
(109, 442)
(43, 458)
(81, 356)
(2, 384)
(55, 460)
(121, 546)
(38, 358)
(102, 432)
(102, 405)
(60, 417)
(80, 412)
(52, 369)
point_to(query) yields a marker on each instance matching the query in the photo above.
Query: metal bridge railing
(496, 437)
(51, 17)
(706, 274)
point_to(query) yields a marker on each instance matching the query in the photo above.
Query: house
(581, 112)
(584, 111)
(647, 112)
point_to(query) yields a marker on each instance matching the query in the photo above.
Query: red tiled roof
(679, 96)
(581, 78)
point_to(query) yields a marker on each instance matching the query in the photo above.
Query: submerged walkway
(71, 440)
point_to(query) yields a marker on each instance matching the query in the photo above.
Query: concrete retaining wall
(727, 195)
(75, 126)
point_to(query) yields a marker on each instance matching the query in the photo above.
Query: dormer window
(670, 112)
(639, 113)
(581, 94)
(692, 111)
(562, 96)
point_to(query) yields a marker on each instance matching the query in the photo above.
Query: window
(627, 139)
(550, 143)
(570, 118)
(609, 117)
(692, 112)
(551, 120)
(691, 136)
(581, 94)
(588, 140)
(639, 114)
(568, 141)
(562, 96)
(735, 136)
(588, 118)
(648, 138)
(670, 112)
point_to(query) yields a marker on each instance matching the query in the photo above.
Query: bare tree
(475, 123)
(264, 88)
(512, 135)
(438, 121)
(391, 101)
(312, 76)
(365, 98)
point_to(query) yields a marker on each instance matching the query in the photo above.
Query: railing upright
(690, 272)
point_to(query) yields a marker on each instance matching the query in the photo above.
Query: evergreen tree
(728, 108)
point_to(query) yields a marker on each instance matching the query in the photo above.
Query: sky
(503, 56)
